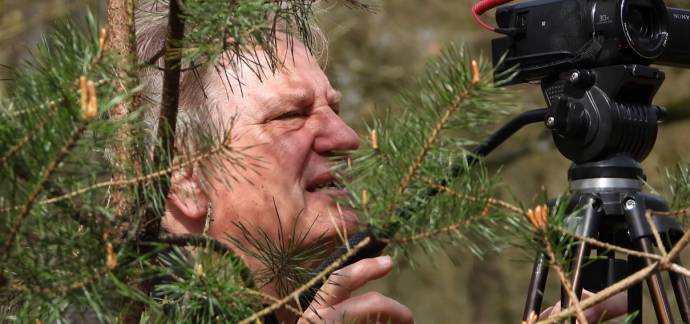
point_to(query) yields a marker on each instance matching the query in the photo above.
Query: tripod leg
(656, 287)
(635, 292)
(680, 290)
(588, 228)
(640, 233)
(535, 294)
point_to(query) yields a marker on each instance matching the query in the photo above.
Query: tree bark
(123, 43)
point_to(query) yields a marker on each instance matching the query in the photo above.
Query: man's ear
(186, 195)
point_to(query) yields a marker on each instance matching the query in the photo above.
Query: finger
(371, 307)
(343, 282)
(551, 310)
(612, 307)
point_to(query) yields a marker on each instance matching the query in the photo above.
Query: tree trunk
(122, 42)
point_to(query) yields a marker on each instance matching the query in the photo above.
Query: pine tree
(87, 245)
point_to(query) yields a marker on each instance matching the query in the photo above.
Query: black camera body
(546, 37)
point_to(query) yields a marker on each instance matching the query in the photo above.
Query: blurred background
(375, 55)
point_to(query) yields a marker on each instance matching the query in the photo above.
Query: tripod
(602, 119)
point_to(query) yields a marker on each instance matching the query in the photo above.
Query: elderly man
(290, 120)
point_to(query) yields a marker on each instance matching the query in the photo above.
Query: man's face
(290, 120)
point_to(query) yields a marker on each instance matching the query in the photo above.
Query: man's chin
(334, 234)
(331, 214)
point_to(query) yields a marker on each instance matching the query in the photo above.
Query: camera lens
(644, 26)
(640, 22)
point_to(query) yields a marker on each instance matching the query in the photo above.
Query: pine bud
(199, 270)
(103, 37)
(538, 217)
(92, 105)
(485, 211)
(365, 198)
(374, 140)
(111, 257)
(475, 72)
(83, 93)
(89, 101)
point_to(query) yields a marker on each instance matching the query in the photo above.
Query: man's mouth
(324, 183)
(329, 185)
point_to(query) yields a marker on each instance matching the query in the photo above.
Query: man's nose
(333, 134)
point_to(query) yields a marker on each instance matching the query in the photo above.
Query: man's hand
(612, 307)
(334, 303)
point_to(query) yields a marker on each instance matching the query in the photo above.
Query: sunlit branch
(431, 140)
(320, 277)
(289, 307)
(563, 279)
(441, 231)
(491, 201)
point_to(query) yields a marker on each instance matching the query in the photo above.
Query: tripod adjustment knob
(582, 78)
(661, 113)
(568, 119)
(630, 204)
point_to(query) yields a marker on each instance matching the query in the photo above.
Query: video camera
(591, 59)
(545, 37)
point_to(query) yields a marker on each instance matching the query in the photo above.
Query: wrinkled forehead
(297, 76)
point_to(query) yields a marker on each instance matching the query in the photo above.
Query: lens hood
(645, 26)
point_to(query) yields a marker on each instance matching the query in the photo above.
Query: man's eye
(290, 115)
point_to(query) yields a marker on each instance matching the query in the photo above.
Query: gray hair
(195, 108)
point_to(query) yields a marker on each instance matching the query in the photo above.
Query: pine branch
(666, 263)
(434, 134)
(321, 276)
(26, 138)
(604, 294)
(293, 310)
(61, 288)
(677, 248)
(224, 147)
(539, 219)
(193, 240)
(491, 201)
(284, 258)
(64, 246)
(607, 246)
(444, 230)
(680, 270)
(655, 232)
(678, 212)
(563, 279)
(39, 186)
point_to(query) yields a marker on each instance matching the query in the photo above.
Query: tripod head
(602, 112)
